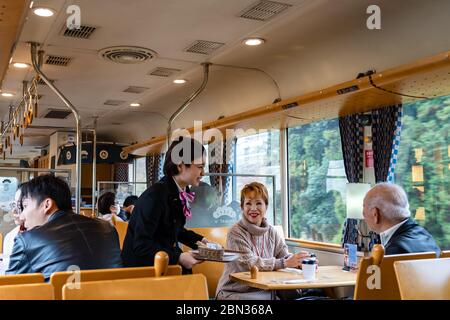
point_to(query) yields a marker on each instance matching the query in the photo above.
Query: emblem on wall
(123, 155)
(68, 155)
(104, 154)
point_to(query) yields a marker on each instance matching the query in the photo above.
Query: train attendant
(159, 216)
(262, 245)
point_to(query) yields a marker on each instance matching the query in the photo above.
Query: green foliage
(426, 126)
(315, 213)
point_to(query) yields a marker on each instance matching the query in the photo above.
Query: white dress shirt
(386, 235)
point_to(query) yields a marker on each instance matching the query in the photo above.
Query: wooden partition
(187, 287)
(376, 279)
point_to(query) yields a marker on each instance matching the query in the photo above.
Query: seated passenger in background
(56, 238)
(261, 243)
(128, 206)
(386, 211)
(8, 242)
(108, 206)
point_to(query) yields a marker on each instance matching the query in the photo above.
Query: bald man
(386, 211)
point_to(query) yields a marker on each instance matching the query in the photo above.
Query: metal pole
(188, 101)
(284, 181)
(39, 55)
(94, 165)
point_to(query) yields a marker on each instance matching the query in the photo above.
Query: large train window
(424, 163)
(317, 182)
(8, 187)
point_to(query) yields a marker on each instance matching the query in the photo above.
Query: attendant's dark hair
(130, 200)
(182, 150)
(105, 201)
(48, 186)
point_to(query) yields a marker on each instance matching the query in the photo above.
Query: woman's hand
(295, 260)
(187, 260)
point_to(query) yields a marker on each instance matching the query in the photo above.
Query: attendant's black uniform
(157, 224)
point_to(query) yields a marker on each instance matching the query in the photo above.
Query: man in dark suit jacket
(386, 211)
(56, 239)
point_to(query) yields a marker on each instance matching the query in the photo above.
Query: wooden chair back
(121, 228)
(41, 291)
(211, 270)
(424, 279)
(187, 287)
(59, 279)
(445, 254)
(376, 278)
(26, 278)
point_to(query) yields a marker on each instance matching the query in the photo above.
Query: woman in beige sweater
(261, 243)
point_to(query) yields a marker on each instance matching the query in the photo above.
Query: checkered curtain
(221, 155)
(154, 165)
(386, 129)
(121, 172)
(352, 140)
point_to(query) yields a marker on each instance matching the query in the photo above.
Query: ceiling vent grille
(114, 102)
(264, 10)
(163, 72)
(84, 32)
(204, 47)
(41, 82)
(57, 114)
(58, 61)
(134, 89)
(127, 54)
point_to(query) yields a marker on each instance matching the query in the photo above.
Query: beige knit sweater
(263, 248)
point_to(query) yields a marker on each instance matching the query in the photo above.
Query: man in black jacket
(386, 211)
(56, 239)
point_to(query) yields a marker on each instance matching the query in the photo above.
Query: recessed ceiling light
(43, 12)
(179, 81)
(7, 94)
(253, 41)
(135, 104)
(20, 65)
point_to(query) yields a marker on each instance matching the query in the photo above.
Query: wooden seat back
(26, 278)
(376, 278)
(187, 287)
(73, 278)
(445, 254)
(35, 291)
(424, 279)
(211, 270)
(121, 228)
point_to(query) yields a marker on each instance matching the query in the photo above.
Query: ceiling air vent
(204, 47)
(264, 10)
(126, 54)
(58, 61)
(163, 72)
(114, 102)
(42, 82)
(84, 32)
(57, 114)
(134, 89)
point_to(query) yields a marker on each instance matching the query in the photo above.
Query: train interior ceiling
(118, 69)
